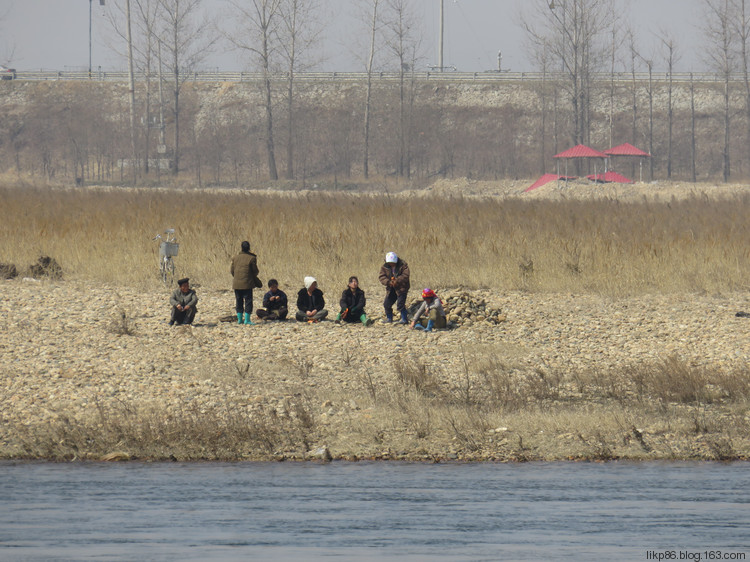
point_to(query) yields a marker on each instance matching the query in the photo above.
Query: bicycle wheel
(170, 270)
(163, 269)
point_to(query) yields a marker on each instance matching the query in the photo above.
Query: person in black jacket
(310, 302)
(274, 303)
(353, 304)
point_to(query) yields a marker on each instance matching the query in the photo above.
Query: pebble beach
(68, 348)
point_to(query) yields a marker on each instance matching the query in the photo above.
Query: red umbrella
(545, 179)
(578, 151)
(610, 177)
(628, 149)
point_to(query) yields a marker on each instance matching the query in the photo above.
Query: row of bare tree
(474, 129)
(408, 129)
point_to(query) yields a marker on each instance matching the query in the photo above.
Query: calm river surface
(288, 511)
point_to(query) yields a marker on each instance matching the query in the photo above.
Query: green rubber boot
(365, 320)
(239, 318)
(248, 322)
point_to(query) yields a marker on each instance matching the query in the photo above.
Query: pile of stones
(45, 266)
(465, 308)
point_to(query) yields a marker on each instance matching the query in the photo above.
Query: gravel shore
(72, 347)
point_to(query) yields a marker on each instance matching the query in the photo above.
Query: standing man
(183, 301)
(245, 272)
(394, 274)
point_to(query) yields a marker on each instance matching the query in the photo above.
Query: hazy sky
(54, 34)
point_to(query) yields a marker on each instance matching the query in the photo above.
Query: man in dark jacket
(310, 302)
(245, 273)
(352, 304)
(274, 303)
(394, 274)
(183, 301)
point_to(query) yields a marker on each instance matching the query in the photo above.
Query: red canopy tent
(545, 179)
(610, 177)
(578, 151)
(628, 149)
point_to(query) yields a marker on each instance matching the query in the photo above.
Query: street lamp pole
(442, 34)
(101, 3)
(90, 2)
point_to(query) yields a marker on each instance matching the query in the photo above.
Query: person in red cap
(431, 314)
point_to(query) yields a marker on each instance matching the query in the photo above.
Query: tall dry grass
(419, 412)
(604, 246)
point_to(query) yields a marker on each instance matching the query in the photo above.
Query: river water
(369, 511)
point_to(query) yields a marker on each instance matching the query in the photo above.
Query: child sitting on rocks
(353, 304)
(433, 312)
(274, 303)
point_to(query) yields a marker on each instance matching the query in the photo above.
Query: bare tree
(144, 19)
(9, 50)
(373, 26)
(718, 29)
(634, 58)
(742, 30)
(574, 31)
(671, 56)
(257, 34)
(404, 43)
(692, 128)
(184, 34)
(298, 33)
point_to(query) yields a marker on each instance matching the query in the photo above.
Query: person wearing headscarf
(310, 302)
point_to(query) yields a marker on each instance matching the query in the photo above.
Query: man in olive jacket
(245, 273)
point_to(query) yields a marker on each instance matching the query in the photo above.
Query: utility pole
(131, 90)
(442, 34)
(101, 3)
(90, 2)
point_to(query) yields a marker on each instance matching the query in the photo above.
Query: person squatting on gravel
(433, 311)
(394, 274)
(183, 301)
(352, 304)
(274, 303)
(244, 271)
(310, 302)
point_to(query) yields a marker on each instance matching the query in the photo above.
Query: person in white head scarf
(310, 302)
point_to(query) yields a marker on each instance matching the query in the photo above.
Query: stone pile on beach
(465, 307)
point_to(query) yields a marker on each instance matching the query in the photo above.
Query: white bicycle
(168, 249)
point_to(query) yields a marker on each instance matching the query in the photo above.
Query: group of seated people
(311, 305)
(394, 276)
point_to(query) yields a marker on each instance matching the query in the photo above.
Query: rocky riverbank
(523, 376)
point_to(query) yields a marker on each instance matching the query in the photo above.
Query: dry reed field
(620, 341)
(602, 246)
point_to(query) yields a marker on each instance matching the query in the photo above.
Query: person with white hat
(394, 274)
(310, 302)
